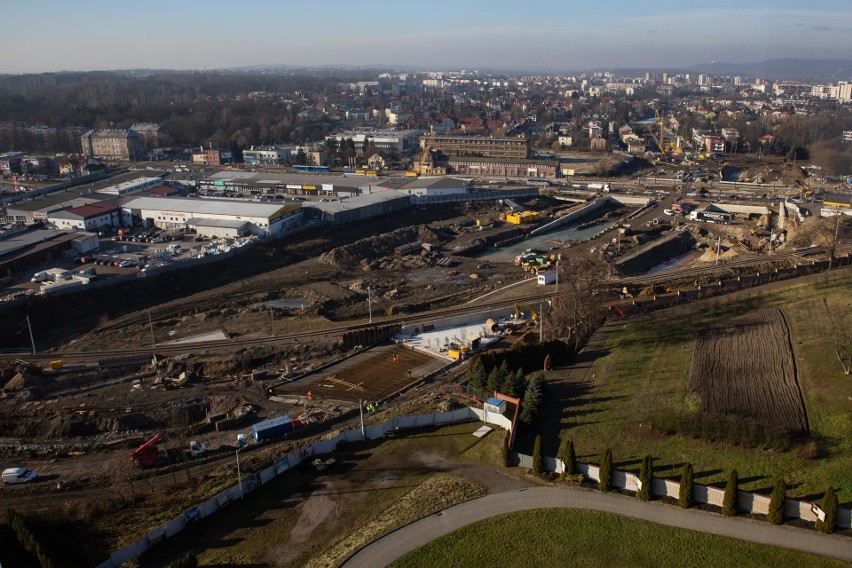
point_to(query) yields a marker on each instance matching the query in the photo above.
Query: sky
(541, 35)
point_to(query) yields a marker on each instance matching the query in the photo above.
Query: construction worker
(310, 395)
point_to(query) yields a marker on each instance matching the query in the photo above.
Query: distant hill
(828, 70)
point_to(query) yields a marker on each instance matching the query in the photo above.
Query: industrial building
(92, 217)
(213, 217)
(360, 208)
(502, 167)
(504, 147)
(429, 186)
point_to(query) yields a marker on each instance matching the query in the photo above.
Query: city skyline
(548, 37)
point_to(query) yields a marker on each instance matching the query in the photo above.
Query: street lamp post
(370, 304)
(239, 475)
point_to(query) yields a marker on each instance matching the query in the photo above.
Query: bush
(537, 459)
(685, 495)
(27, 538)
(605, 481)
(646, 476)
(569, 459)
(729, 502)
(776, 502)
(829, 505)
(188, 560)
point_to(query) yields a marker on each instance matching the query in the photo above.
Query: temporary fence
(747, 502)
(289, 461)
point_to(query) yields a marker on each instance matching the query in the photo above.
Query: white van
(18, 475)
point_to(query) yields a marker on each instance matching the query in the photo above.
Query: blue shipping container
(272, 428)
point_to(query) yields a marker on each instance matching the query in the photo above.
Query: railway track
(335, 331)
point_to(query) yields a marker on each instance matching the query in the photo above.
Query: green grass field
(589, 539)
(642, 380)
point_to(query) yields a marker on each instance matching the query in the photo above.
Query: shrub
(729, 502)
(188, 560)
(829, 505)
(685, 495)
(575, 478)
(569, 460)
(776, 502)
(537, 459)
(606, 471)
(27, 538)
(646, 476)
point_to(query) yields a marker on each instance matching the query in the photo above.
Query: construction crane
(661, 136)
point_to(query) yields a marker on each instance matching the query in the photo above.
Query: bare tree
(581, 309)
(840, 314)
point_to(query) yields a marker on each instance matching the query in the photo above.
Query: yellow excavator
(520, 308)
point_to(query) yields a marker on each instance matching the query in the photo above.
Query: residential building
(150, 134)
(397, 142)
(117, 145)
(844, 91)
(267, 156)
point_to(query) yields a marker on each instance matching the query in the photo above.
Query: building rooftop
(365, 200)
(85, 211)
(198, 206)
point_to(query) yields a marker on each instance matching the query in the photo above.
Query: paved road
(411, 537)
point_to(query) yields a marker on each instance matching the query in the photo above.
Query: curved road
(394, 545)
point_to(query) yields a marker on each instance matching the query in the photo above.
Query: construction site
(320, 325)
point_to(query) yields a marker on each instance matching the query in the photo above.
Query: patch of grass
(635, 389)
(586, 538)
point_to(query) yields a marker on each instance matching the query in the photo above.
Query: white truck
(18, 475)
(605, 187)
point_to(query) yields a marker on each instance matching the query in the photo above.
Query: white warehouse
(213, 217)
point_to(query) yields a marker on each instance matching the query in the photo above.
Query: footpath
(396, 544)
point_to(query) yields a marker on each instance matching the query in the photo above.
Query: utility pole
(153, 344)
(239, 475)
(272, 317)
(32, 340)
(541, 322)
(361, 410)
(718, 247)
(370, 303)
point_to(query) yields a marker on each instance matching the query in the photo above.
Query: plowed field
(744, 366)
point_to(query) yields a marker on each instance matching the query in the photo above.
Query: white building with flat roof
(213, 217)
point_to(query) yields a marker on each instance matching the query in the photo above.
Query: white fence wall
(284, 464)
(747, 502)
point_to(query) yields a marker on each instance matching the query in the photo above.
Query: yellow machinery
(522, 217)
(519, 309)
